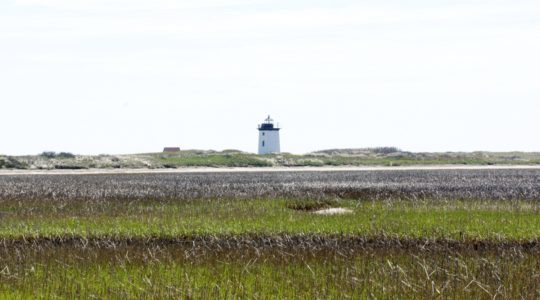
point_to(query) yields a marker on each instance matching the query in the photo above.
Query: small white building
(269, 137)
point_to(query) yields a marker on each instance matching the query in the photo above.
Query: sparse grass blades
(146, 271)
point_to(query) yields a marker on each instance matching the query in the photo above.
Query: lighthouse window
(263, 143)
(263, 133)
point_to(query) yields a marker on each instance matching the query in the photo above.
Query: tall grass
(362, 185)
(187, 272)
(451, 234)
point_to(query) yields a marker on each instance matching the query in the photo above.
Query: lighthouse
(269, 137)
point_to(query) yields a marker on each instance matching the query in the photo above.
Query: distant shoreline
(231, 160)
(264, 169)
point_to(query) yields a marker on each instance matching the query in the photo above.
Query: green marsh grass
(472, 220)
(412, 234)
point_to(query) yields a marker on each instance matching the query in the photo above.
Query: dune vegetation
(383, 156)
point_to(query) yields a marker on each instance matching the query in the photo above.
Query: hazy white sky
(125, 76)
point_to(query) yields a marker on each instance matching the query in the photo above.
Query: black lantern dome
(268, 125)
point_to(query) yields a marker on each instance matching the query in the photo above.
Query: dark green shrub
(48, 154)
(385, 150)
(52, 154)
(68, 167)
(11, 163)
(65, 155)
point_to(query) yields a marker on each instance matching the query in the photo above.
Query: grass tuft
(311, 204)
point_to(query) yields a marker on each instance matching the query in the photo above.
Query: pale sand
(334, 211)
(256, 169)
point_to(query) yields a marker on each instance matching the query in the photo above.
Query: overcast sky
(127, 76)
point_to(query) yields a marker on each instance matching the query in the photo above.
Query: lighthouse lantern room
(269, 137)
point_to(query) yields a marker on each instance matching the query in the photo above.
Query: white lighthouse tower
(269, 137)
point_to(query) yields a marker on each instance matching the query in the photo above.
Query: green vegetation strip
(386, 156)
(178, 272)
(453, 220)
(268, 249)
